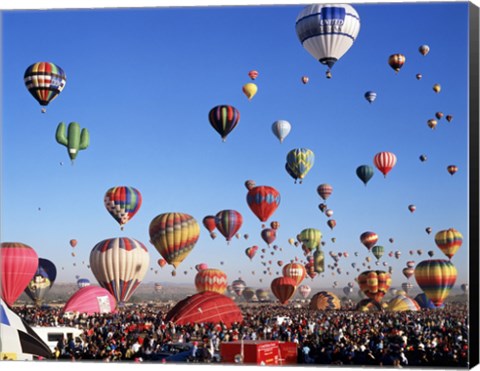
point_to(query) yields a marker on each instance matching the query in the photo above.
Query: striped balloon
(281, 128)
(407, 286)
(369, 239)
(305, 290)
(211, 279)
(425, 302)
(269, 235)
(18, 264)
(224, 119)
(228, 222)
(119, 265)
(300, 161)
(402, 303)
(370, 96)
(449, 241)
(45, 81)
(174, 235)
(324, 191)
(122, 203)
(253, 74)
(436, 278)
(385, 161)
(374, 284)
(324, 300)
(296, 271)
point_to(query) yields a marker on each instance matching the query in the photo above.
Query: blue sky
(143, 81)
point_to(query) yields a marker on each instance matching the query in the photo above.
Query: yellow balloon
(250, 90)
(437, 88)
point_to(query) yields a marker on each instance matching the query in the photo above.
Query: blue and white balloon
(281, 128)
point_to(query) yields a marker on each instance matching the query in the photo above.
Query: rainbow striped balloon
(174, 235)
(436, 278)
(449, 241)
(374, 284)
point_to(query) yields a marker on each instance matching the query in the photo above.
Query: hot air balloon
(396, 61)
(452, 169)
(324, 191)
(369, 239)
(378, 251)
(322, 207)
(407, 286)
(436, 88)
(449, 118)
(327, 31)
(174, 235)
(161, 262)
(374, 284)
(300, 161)
(436, 278)
(283, 288)
(73, 243)
(263, 201)
(439, 115)
(305, 79)
(412, 208)
(464, 287)
(408, 272)
(75, 139)
(310, 238)
(249, 184)
(418, 76)
(319, 261)
(449, 241)
(402, 303)
(304, 290)
(211, 279)
(385, 161)
(209, 223)
(18, 263)
(398, 254)
(370, 96)
(42, 281)
(83, 282)
(324, 300)
(281, 129)
(251, 251)
(250, 89)
(423, 158)
(296, 271)
(238, 286)
(347, 291)
(45, 81)
(331, 223)
(253, 74)
(248, 294)
(424, 302)
(432, 123)
(119, 265)
(122, 203)
(201, 267)
(430, 253)
(424, 49)
(329, 212)
(228, 222)
(365, 173)
(224, 119)
(269, 235)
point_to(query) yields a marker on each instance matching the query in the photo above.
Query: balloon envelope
(211, 279)
(122, 203)
(18, 263)
(174, 235)
(224, 119)
(45, 81)
(327, 31)
(205, 307)
(436, 278)
(91, 300)
(283, 288)
(42, 280)
(324, 300)
(263, 201)
(119, 265)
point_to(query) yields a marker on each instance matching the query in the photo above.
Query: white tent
(17, 340)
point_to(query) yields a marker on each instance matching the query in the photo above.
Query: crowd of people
(437, 338)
